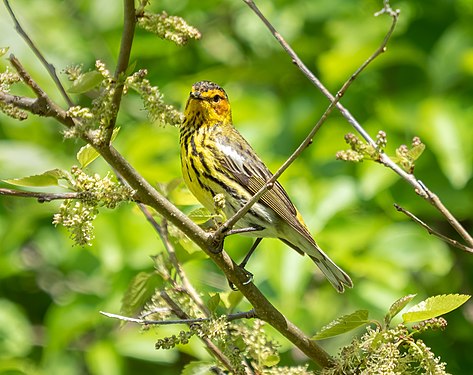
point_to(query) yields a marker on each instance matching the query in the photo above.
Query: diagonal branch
(308, 140)
(49, 67)
(419, 187)
(432, 231)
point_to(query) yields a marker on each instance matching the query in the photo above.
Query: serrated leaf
(140, 290)
(198, 368)
(397, 306)
(86, 82)
(213, 302)
(343, 324)
(200, 215)
(48, 178)
(415, 152)
(87, 154)
(434, 306)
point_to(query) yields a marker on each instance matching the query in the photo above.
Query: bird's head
(207, 104)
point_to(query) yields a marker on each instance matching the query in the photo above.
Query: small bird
(217, 161)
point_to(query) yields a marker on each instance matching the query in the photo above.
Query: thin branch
(419, 188)
(43, 106)
(448, 240)
(41, 197)
(129, 22)
(308, 140)
(230, 317)
(148, 195)
(49, 67)
(212, 347)
(163, 233)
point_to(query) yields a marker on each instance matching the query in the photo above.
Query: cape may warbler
(217, 160)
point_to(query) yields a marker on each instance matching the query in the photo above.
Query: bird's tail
(337, 277)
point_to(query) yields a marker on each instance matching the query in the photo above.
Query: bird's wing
(247, 169)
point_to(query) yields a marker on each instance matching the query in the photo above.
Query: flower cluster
(77, 215)
(7, 79)
(152, 99)
(171, 28)
(387, 351)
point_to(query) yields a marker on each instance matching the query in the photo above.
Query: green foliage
(343, 324)
(420, 86)
(392, 350)
(433, 307)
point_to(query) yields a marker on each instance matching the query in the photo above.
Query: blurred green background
(51, 291)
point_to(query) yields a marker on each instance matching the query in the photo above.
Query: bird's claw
(246, 282)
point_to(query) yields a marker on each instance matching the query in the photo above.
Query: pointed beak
(196, 95)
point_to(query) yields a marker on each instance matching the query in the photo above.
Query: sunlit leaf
(86, 82)
(231, 299)
(415, 152)
(270, 360)
(48, 178)
(87, 154)
(343, 324)
(434, 306)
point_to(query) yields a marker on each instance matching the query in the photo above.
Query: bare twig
(212, 347)
(41, 197)
(43, 106)
(230, 317)
(163, 233)
(49, 67)
(434, 232)
(129, 22)
(419, 188)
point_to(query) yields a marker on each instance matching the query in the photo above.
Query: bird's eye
(216, 98)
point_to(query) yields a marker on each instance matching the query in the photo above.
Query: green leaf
(87, 154)
(48, 178)
(270, 360)
(140, 290)
(434, 306)
(213, 302)
(86, 82)
(231, 299)
(200, 215)
(131, 68)
(198, 368)
(397, 306)
(415, 152)
(343, 324)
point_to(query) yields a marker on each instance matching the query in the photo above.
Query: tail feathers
(337, 277)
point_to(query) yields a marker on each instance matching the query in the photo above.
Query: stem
(41, 197)
(129, 22)
(418, 186)
(49, 67)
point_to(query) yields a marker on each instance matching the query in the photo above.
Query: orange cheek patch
(222, 107)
